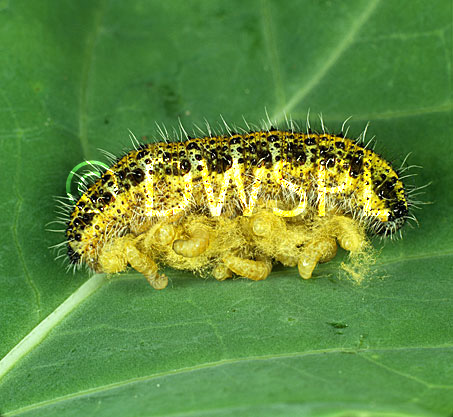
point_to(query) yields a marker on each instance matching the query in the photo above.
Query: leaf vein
(210, 365)
(19, 201)
(327, 63)
(271, 47)
(87, 70)
(405, 375)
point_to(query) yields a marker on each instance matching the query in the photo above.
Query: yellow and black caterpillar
(235, 203)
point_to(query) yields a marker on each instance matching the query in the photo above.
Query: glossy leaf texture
(76, 75)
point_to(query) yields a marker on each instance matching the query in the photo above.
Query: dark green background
(75, 75)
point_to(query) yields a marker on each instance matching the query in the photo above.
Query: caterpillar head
(396, 219)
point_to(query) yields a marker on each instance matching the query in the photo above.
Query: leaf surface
(77, 75)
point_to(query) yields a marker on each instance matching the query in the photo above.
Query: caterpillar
(236, 203)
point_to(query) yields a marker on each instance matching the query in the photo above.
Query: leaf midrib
(39, 333)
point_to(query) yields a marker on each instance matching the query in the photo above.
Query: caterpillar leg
(115, 257)
(195, 245)
(317, 252)
(248, 268)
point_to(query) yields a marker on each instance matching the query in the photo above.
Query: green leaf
(75, 75)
